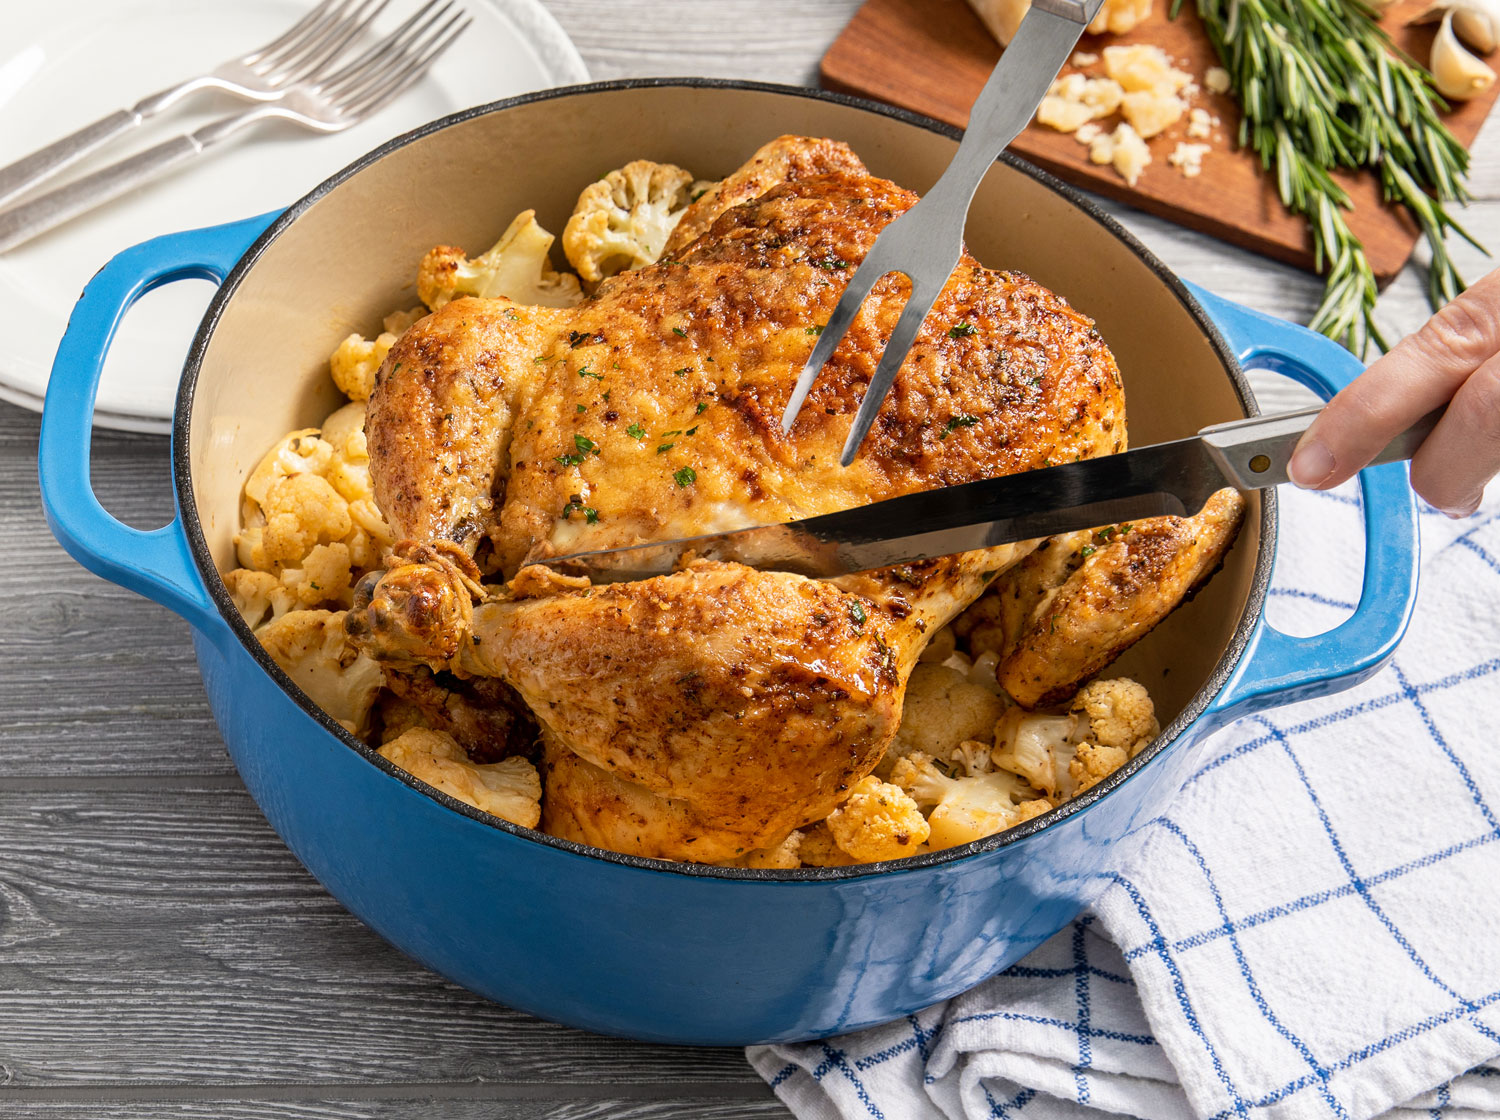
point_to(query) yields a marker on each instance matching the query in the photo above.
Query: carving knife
(1174, 478)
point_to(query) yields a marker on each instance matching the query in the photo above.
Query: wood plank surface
(933, 56)
(161, 954)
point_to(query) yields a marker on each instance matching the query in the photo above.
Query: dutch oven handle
(158, 563)
(1280, 669)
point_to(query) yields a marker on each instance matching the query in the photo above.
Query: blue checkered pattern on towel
(1312, 929)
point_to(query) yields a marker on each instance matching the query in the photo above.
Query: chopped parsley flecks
(569, 460)
(685, 476)
(680, 372)
(590, 514)
(956, 422)
(636, 431)
(831, 263)
(679, 332)
(691, 431)
(586, 372)
(580, 338)
(510, 313)
(702, 407)
(961, 330)
(816, 328)
(857, 614)
(584, 444)
(1086, 551)
(673, 432)
(582, 408)
(698, 194)
(662, 449)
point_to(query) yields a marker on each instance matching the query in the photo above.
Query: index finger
(1418, 375)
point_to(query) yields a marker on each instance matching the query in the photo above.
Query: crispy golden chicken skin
(1070, 609)
(722, 705)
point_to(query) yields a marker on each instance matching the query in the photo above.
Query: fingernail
(1311, 464)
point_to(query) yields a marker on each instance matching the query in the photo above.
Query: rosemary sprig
(1322, 87)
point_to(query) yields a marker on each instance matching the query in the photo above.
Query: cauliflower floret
(943, 708)
(1119, 713)
(354, 364)
(310, 491)
(963, 809)
(972, 757)
(1108, 724)
(941, 647)
(516, 267)
(623, 220)
(1093, 763)
(878, 821)
(819, 849)
(251, 592)
(781, 857)
(509, 789)
(1039, 747)
(311, 648)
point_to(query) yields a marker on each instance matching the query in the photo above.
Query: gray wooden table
(161, 954)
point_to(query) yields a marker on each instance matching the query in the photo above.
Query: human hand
(1454, 359)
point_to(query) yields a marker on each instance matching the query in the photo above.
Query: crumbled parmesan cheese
(1075, 100)
(1088, 133)
(1188, 158)
(1150, 112)
(1217, 79)
(1142, 66)
(1062, 114)
(1199, 123)
(1119, 16)
(1085, 59)
(1124, 149)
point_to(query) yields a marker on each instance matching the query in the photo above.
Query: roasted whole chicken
(709, 712)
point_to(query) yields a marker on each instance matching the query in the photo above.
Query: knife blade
(1174, 478)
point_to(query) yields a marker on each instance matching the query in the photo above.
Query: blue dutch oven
(617, 944)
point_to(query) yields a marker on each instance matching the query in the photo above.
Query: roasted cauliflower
(354, 363)
(967, 808)
(943, 707)
(509, 789)
(311, 648)
(517, 267)
(623, 220)
(1108, 723)
(878, 821)
(307, 493)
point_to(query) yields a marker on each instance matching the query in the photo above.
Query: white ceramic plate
(64, 65)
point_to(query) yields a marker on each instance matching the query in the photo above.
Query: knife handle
(1254, 453)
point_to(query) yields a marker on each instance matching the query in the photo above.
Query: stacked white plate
(65, 65)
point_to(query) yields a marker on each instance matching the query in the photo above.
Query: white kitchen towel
(1311, 929)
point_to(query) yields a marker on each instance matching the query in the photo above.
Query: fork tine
(916, 309)
(416, 67)
(362, 65)
(292, 33)
(364, 14)
(855, 294)
(382, 71)
(307, 43)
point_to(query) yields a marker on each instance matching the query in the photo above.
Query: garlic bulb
(1477, 22)
(1457, 74)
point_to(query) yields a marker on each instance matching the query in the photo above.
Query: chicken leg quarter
(710, 711)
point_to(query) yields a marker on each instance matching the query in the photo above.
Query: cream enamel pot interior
(613, 943)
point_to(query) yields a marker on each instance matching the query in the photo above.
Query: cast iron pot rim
(214, 583)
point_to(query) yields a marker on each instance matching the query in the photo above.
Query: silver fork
(330, 104)
(924, 243)
(262, 75)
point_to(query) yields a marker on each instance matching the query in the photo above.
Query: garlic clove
(1475, 27)
(1457, 74)
(1477, 22)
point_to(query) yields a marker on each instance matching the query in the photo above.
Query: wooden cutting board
(932, 56)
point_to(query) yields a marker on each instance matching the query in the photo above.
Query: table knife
(1174, 478)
